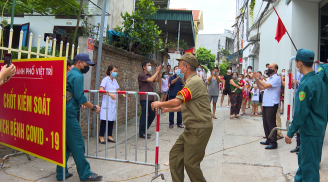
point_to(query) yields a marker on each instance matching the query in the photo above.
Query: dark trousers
(236, 100)
(171, 116)
(298, 140)
(103, 128)
(269, 122)
(75, 145)
(151, 117)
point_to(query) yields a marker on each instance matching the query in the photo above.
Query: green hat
(305, 55)
(189, 58)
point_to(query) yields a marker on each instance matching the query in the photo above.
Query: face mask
(179, 74)
(165, 76)
(249, 70)
(270, 71)
(229, 71)
(265, 75)
(170, 72)
(114, 74)
(239, 79)
(199, 69)
(255, 85)
(247, 79)
(85, 69)
(234, 77)
(283, 73)
(149, 69)
(217, 74)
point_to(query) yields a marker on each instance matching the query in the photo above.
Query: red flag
(280, 31)
(191, 51)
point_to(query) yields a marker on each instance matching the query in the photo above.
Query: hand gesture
(158, 68)
(155, 105)
(256, 75)
(288, 140)
(82, 107)
(8, 71)
(113, 96)
(125, 97)
(97, 109)
(244, 71)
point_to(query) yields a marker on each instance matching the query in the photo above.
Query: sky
(217, 14)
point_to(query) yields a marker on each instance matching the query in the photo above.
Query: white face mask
(283, 73)
(247, 79)
(149, 68)
(239, 79)
(255, 85)
(249, 70)
(229, 71)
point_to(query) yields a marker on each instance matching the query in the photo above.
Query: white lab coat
(109, 85)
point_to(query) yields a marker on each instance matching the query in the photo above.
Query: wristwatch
(94, 108)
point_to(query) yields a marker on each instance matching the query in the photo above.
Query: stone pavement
(242, 158)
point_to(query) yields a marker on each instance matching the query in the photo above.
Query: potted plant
(171, 46)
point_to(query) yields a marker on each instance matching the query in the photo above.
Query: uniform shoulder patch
(302, 95)
(319, 69)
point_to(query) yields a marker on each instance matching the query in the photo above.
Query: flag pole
(286, 29)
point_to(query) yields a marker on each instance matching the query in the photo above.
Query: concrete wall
(83, 43)
(116, 7)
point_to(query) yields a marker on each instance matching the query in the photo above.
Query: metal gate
(135, 161)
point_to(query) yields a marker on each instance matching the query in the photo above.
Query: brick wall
(129, 66)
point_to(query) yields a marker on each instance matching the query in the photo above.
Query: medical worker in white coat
(108, 83)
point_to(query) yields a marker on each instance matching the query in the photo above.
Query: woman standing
(108, 83)
(164, 86)
(236, 96)
(213, 88)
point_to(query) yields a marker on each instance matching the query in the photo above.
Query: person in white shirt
(271, 101)
(255, 99)
(108, 83)
(200, 73)
(164, 86)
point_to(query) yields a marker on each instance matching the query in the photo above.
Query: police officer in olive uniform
(193, 102)
(74, 139)
(310, 118)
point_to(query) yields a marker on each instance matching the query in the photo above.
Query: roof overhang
(168, 21)
(161, 3)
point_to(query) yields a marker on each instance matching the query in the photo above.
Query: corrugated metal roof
(175, 15)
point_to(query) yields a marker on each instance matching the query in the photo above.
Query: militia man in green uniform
(74, 139)
(193, 102)
(310, 118)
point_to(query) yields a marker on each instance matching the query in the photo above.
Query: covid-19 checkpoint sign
(32, 109)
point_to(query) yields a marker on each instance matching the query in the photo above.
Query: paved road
(233, 154)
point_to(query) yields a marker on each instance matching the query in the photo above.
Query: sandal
(252, 114)
(231, 117)
(214, 117)
(180, 126)
(102, 142)
(237, 117)
(94, 177)
(112, 141)
(256, 114)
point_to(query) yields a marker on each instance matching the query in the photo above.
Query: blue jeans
(151, 117)
(171, 116)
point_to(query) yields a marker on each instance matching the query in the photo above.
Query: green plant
(139, 33)
(34, 49)
(172, 44)
(251, 10)
(224, 64)
(225, 52)
(205, 57)
(205, 67)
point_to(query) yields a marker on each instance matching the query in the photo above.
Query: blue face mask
(165, 76)
(170, 72)
(199, 69)
(114, 74)
(179, 74)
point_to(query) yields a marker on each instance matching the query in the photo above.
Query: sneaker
(295, 150)
(228, 106)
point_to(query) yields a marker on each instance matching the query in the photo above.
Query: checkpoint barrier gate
(135, 161)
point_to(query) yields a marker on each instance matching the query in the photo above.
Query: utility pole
(101, 33)
(12, 14)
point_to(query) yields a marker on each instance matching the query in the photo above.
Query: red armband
(186, 94)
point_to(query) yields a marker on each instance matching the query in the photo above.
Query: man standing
(213, 88)
(74, 139)
(271, 101)
(310, 118)
(192, 100)
(175, 86)
(146, 84)
(226, 86)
